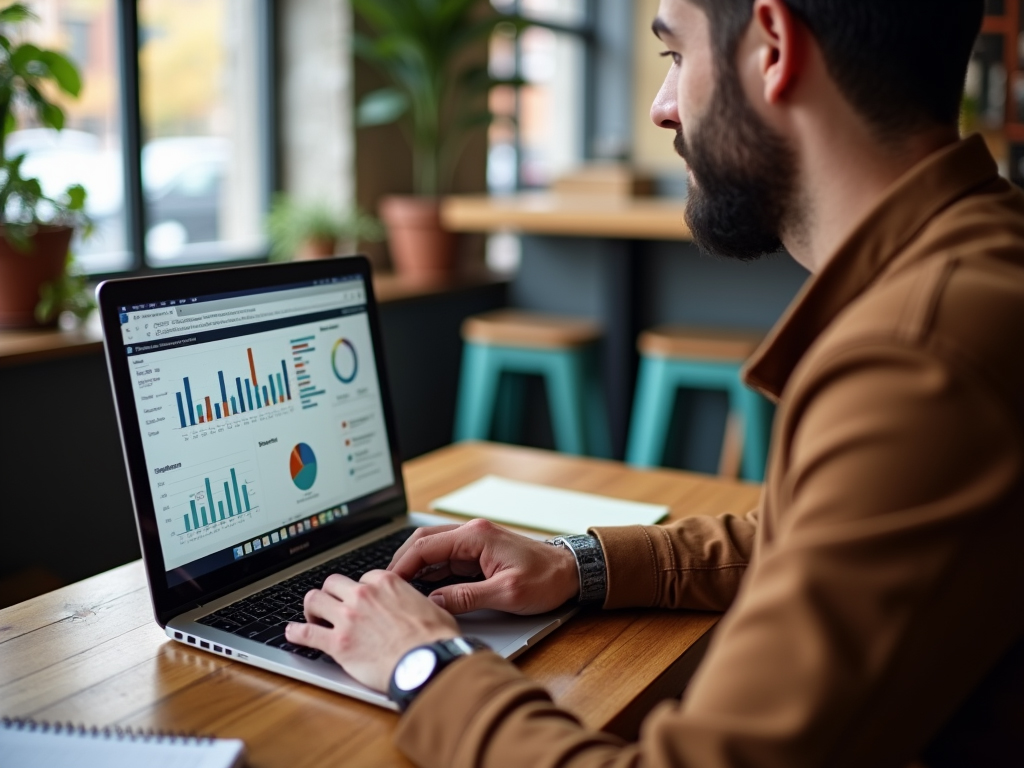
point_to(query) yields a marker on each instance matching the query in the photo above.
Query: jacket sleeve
(880, 603)
(696, 563)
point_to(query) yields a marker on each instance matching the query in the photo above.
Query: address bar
(241, 316)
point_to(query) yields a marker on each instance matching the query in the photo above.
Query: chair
(502, 346)
(673, 358)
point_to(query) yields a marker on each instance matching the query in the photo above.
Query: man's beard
(745, 178)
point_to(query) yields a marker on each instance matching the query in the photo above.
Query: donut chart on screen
(344, 361)
(303, 467)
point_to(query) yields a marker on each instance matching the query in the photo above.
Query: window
(541, 128)
(172, 135)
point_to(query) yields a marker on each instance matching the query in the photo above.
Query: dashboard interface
(261, 417)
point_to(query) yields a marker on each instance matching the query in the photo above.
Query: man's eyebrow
(660, 28)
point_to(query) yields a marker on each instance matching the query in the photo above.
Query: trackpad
(508, 634)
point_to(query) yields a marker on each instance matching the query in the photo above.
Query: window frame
(132, 136)
(587, 34)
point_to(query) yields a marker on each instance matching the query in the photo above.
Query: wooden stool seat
(504, 346)
(515, 328)
(699, 343)
(674, 358)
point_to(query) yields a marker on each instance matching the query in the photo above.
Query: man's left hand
(367, 626)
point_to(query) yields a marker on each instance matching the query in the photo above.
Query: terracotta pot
(420, 247)
(22, 274)
(316, 248)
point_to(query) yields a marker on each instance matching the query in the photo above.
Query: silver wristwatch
(590, 564)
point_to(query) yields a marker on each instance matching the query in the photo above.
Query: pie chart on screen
(303, 467)
(344, 361)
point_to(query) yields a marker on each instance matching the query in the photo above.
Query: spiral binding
(109, 732)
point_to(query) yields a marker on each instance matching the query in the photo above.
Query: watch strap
(446, 652)
(591, 565)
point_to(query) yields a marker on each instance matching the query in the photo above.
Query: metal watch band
(591, 565)
(446, 651)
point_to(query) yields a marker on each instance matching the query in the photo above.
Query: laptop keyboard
(262, 617)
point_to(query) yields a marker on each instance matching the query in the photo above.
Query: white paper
(543, 507)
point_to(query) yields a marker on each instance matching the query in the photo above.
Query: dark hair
(900, 63)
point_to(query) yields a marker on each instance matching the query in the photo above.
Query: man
(874, 599)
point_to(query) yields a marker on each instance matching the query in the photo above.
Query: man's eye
(677, 59)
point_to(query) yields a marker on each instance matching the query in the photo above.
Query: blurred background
(198, 119)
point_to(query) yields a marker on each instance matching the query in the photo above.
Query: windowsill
(21, 347)
(544, 213)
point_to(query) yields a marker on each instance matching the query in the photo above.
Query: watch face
(415, 669)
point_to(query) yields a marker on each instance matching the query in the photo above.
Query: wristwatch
(590, 564)
(422, 664)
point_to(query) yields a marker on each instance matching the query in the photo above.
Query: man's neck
(845, 173)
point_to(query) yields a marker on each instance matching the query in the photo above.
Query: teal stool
(500, 347)
(681, 358)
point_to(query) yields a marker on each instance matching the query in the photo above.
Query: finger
(418, 534)
(320, 606)
(309, 635)
(339, 586)
(496, 593)
(456, 544)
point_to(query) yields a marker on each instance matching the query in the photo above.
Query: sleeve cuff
(632, 566)
(452, 716)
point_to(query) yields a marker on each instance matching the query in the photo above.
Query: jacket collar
(913, 201)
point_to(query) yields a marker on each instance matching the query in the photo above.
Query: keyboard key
(253, 629)
(269, 634)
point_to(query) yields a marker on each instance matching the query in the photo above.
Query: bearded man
(873, 600)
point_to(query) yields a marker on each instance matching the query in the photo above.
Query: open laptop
(259, 439)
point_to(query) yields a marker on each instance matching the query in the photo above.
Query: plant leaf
(15, 13)
(76, 197)
(52, 115)
(381, 107)
(63, 71)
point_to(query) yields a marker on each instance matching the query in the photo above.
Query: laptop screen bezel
(390, 502)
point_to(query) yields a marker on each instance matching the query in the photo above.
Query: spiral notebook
(31, 744)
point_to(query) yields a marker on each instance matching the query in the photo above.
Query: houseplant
(312, 230)
(438, 93)
(36, 279)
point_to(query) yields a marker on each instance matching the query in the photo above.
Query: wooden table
(544, 213)
(91, 652)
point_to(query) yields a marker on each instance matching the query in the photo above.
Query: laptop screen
(261, 417)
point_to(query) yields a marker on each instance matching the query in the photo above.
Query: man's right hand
(521, 575)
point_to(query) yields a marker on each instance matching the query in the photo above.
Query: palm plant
(437, 91)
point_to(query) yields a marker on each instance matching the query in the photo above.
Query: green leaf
(15, 13)
(76, 197)
(64, 72)
(10, 123)
(24, 56)
(381, 107)
(52, 115)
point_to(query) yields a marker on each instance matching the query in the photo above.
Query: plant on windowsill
(438, 93)
(300, 230)
(38, 280)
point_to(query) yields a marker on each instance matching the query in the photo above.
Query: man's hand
(368, 626)
(521, 575)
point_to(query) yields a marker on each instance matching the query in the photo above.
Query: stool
(688, 358)
(561, 350)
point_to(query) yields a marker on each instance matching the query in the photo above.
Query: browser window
(261, 417)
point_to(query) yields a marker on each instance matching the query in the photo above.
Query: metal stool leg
(478, 387)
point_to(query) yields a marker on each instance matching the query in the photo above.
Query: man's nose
(665, 109)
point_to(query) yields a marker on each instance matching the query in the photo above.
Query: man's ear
(780, 41)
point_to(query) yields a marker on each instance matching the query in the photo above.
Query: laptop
(259, 438)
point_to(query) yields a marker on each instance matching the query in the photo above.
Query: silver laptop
(259, 439)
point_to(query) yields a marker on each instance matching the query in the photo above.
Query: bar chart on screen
(209, 502)
(247, 394)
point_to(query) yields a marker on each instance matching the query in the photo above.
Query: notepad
(545, 508)
(28, 744)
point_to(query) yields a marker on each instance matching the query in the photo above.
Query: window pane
(203, 174)
(551, 106)
(88, 150)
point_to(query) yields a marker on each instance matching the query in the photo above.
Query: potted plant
(36, 279)
(439, 94)
(313, 230)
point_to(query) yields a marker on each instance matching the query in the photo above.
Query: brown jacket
(876, 599)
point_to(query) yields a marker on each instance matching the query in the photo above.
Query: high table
(91, 652)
